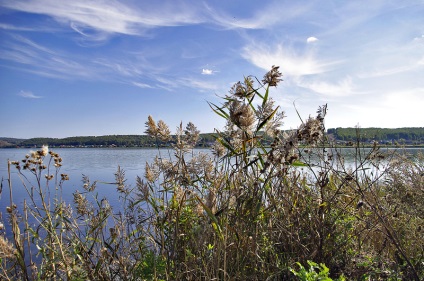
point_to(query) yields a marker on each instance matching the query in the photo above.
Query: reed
(264, 205)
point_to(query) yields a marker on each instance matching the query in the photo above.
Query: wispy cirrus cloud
(132, 70)
(12, 27)
(42, 60)
(56, 63)
(28, 95)
(142, 85)
(111, 16)
(267, 16)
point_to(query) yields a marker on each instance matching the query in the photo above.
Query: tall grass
(264, 206)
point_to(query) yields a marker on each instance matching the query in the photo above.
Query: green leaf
(298, 163)
(218, 110)
(226, 145)
(215, 223)
(267, 119)
(265, 96)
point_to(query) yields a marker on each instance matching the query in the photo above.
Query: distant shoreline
(341, 137)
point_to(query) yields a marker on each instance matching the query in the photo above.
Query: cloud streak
(110, 16)
(28, 95)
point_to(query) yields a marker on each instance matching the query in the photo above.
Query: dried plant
(263, 202)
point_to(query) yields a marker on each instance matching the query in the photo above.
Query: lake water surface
(97, 163)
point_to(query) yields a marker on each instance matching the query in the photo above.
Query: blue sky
(77, 68)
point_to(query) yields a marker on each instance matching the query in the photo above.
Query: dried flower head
(7, 251)
(81, 203)
(151, 128)
(64, 177)
(241, 115)
(311, 131)
(44, 150)
(191, 134)
(164, 134)
(34, 154)
(178, 193)
(243, 90)
(181, 144)
(218, 149)
(143, 189)
(272, 128)
(238, 90)
(87, 185)
(120, 180)
(150, 173)
(272, 77)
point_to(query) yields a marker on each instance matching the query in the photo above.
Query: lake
(97, 163)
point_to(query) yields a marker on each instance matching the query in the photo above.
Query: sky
(101, 67)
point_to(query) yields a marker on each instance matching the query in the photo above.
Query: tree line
(100, 141)
(385, 135)
(382, 135)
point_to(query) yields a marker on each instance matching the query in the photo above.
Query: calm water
(97, 163)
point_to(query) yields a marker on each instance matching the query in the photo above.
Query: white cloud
(267, 16)
(141, 85)
(291, 62)
(17, 28)
(29, 95)
(342, 88)
(311, 40)
(111, 16)
(207, 71)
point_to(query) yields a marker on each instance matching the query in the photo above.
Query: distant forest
(98, 141)
(385, 136)
(409, 136)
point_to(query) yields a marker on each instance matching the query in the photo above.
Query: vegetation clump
(246, 211)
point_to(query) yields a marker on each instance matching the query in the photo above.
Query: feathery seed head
(149, 174)
(272, 77)
(243, 90)
(241, 115)
(238, 90)
(218, 149)
(191, 134)
(44, 150)
(34, 154)
(163, 132)
(81, 203)
(151, 128)
(6, 249)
